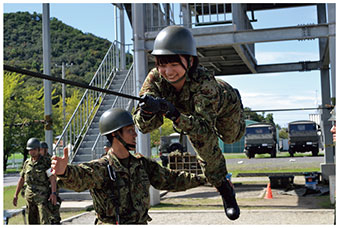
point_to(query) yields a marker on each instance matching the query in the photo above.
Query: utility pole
(63, 66)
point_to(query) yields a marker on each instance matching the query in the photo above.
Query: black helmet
(114, 119)
(174, 40)
(33, 143)
(43, 145)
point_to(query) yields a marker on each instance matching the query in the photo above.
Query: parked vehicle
(260, 138)
(169, 144)
(303, 136)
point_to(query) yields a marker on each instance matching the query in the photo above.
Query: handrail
(80, 120)
(127, 81)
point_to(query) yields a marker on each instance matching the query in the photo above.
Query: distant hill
(23, 48)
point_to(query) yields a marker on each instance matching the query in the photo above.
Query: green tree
(23, 114)
(283, 133)
(257, 117)
(13, 104)
(166, 129)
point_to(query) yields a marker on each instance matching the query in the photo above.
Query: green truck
(303, 136)
(260, 138)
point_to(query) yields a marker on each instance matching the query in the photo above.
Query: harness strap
(113, 177)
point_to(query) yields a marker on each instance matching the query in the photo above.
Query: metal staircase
(81, 133)
(92, 144)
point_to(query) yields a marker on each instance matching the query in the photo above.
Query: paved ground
(289, 207)
(217, 217)
(286, 207)
(11, 179)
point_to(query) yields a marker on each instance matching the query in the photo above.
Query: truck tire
(291, 152)
(315, 152)
(250, 154)
(247, 153)
(174, 147)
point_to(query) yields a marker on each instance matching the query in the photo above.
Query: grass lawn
(17, 220)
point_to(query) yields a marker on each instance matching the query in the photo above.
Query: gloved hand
(171, 112)
(150, 104)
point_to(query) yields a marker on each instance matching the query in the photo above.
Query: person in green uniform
(107, 146)
(200, 106)
(55, 209)
(37, 175)
(119, 182)
(334, 127)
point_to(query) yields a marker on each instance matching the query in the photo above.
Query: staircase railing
(127, 87)
(79, 122)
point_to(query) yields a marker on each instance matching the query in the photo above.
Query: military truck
(303, 136)
(260, 138)
(170, 143)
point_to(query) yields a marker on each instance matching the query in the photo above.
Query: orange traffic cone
(269, 192)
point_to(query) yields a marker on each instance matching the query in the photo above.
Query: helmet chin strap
(185, 75)
(126, 145)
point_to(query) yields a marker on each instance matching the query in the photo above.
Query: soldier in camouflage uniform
(199, 105)
(107, 146)
(37, 175)
(55, 209)
(119, 182)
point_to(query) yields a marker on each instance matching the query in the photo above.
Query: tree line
(23, 95)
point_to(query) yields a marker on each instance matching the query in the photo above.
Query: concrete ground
(285, 207)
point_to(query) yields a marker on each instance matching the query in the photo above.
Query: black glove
(171, 112)
(151, 105)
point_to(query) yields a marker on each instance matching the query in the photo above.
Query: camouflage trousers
(230, 127)
(38, 210)
(55, 211)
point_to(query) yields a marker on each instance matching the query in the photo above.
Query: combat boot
(227, 193)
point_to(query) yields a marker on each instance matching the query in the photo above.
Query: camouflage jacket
(201, 101)
(36, 179)
(129, 193)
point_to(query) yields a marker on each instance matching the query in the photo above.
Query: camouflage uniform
(209, 108)
(37, 189)
(128, 196)
(55, 209)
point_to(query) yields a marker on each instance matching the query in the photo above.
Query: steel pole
(140, 72)
(46, 49)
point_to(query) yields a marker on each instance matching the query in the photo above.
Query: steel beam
(223, 36)
(288, 67)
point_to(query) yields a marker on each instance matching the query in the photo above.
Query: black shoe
(227, 193)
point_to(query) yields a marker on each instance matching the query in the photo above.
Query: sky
(258, 91)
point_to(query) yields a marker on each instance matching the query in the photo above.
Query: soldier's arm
(53, 196)
(164, 179)
(18, 189)
(83, 176)
(148, 124)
